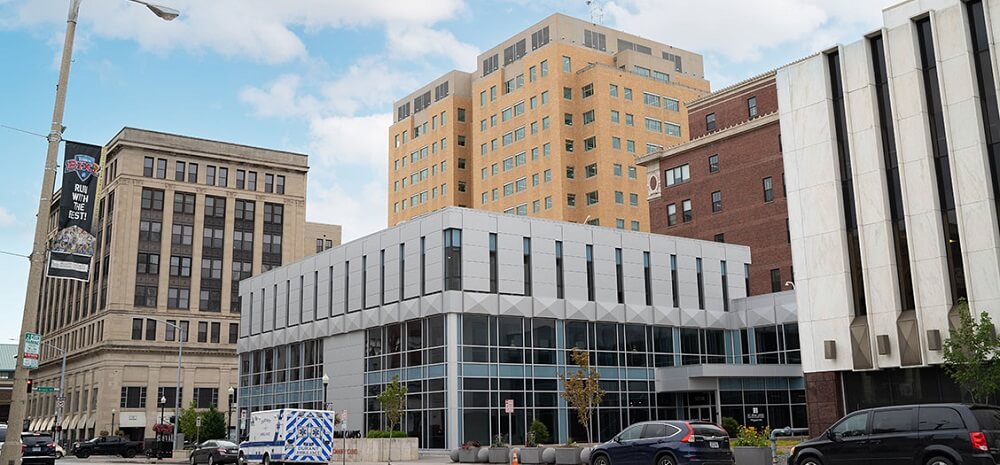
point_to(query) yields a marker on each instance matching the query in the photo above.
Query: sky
(319, 77)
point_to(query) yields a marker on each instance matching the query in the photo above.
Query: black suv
(932, 434)
(37, 449)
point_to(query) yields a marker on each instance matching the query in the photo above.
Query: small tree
(213, 424)
(582, 390)
(971, 354)
(391, 398)
(188, 422)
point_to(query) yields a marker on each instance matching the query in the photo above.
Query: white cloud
(351, 140)
(261, 30)
(370, 83)
(7, 218)
(360, 211)
(740, 30)
(409, 41)
(280, 99)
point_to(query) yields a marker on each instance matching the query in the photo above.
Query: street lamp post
(11, 452)
(159, 440)
(229, 413)
(62, 384)
(326, 382)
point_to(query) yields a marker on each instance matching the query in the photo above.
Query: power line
(14, 254)
(12, 128)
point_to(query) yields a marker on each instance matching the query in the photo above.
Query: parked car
(3, 435)
(38, 449)
(107, 445)
(666, 443)
(932, 434)
(215, 452)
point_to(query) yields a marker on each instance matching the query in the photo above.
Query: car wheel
(129, 453)
(59, 455)
(601, 459)
(82, 454)
(267, 459)
(192, 460)
(809, 460)
(665, 460)
(211, 460)
(940, 461)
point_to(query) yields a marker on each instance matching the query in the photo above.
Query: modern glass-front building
(472, 308)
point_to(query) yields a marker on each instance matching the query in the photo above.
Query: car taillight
(51, 445)
(221, 450)
(23, 447)
(689, 437)
(978, 440)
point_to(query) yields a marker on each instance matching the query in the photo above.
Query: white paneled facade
(816, 201)
(277, 312)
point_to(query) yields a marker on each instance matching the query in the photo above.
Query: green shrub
(382, 434)
(748, 436)
(731, 426)
(540, 431)
(375, 434)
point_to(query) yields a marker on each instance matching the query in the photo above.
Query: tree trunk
(391, 429)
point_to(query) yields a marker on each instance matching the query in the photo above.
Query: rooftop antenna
(596, 11)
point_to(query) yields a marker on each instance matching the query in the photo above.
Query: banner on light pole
(73, 248)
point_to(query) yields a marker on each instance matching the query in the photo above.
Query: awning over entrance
(67, 420)
(82, 422)
(34, 425)
(705, 377)
(92, 421)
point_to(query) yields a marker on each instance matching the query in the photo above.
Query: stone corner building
(179, 222)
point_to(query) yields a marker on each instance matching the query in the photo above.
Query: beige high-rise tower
(549, 125)
(180, 222)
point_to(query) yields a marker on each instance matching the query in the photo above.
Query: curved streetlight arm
(164, 12)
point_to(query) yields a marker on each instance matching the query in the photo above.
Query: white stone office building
(890, 152)
(471, 308)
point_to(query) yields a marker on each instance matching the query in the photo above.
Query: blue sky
(319, 76)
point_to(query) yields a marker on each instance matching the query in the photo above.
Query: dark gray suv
(932, 434)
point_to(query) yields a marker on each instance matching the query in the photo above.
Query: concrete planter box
(468, 455)
(499, 454)
(375, 450)
(752, 455)
(530, 455)
(568, 455)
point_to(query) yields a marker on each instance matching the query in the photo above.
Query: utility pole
(11, 452)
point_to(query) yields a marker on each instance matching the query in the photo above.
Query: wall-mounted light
(934, 339)
(883, 344)
(830, 350)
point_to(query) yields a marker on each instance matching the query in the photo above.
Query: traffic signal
(30, 382)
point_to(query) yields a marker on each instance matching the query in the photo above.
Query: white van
(289, 436)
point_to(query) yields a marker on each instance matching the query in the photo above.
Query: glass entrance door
(702, 412)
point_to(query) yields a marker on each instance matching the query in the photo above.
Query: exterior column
(824, 400)
(452, 423)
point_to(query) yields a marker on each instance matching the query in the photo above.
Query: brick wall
(824, 400)
(732, 109)
(744, 161)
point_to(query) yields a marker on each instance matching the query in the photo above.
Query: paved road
(425, 459)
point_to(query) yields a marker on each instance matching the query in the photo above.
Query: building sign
(32, 346)
(73, 247)
(756, 417)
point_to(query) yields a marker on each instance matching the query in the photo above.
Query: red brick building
(727, 182)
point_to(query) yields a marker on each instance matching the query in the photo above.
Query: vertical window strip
(673, 281)
(987, 92)
(725, 286)
(590, 272)
(619, 276)
(701, 284)
(847, 186)
(942, 165)
(889, 154)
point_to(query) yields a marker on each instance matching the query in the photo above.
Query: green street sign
(45, 389)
